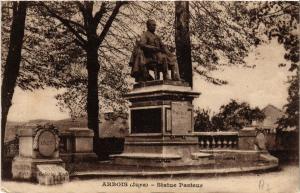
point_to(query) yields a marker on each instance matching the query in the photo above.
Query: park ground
(283, 180)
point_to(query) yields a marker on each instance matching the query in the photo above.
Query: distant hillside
(11, 129)
(12, 126)
(110, 126)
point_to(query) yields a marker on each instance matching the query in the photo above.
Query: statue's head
(151, 25)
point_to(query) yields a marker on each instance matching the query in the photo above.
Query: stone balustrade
(221, 140)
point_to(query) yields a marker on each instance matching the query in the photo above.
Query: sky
(265, 84)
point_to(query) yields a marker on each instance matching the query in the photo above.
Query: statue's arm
(163, 47)
(145, 46)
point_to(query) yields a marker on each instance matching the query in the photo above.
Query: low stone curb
(172, 173)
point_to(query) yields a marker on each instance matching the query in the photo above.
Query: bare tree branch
(84, 14)
(80, 40)
(215, 81)
(110, 21)
(99, 14)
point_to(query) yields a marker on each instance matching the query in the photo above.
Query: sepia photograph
(150, 96)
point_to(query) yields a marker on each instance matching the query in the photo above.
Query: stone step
(198, 155)
(147, 156)
(218, 150)
(269, 158)
(50, 174)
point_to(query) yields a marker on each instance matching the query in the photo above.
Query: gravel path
(285, 180)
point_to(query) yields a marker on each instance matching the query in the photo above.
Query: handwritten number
(261, 184)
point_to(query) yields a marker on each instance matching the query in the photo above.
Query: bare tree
(88, 36)
(182, 40)
(12, 65)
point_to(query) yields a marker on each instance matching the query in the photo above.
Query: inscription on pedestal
(21, 170)
(47, 143)
(181, 118)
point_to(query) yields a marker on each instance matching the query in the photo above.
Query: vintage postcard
(150, 96)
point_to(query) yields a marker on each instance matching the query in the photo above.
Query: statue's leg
(166, 75)
(144, 74)
(175, 72)
(156, 72)
(163, 65)
(172, 73)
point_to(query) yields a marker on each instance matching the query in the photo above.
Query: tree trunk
(182, 41)
(93, 68)
(12, 66)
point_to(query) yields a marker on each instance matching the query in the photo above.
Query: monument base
(51, 174)
(162, 136)
(26, 168)
(161, 117)
(162, 151)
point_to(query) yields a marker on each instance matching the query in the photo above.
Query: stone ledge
(160, 82)
(269, 158)
(162, 135)
(160, 143)
(38, 160)
(138, 172)
(218, 133)
(162, 90)
(82, 132)
(230, 151)
(147, 156)
(247, 133)
(145, 135)
(161, 95)
(26, 132)
(201, 155)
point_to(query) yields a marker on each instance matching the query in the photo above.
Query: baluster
(225, 143)
(201, 143)
(234, 143)
(213, 142)
(216, 140)
(229, 143)
(219, 142)
(207, 142)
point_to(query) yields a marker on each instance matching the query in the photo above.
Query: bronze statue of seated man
(151, 54)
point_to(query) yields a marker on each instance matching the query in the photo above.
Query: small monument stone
(39, 150)
(51, 174)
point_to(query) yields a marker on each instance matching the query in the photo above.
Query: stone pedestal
(51, 174)
(161, 126)
(38, 145)
(77, 145)
(25, 168)
(82, 144)
(247, 139)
